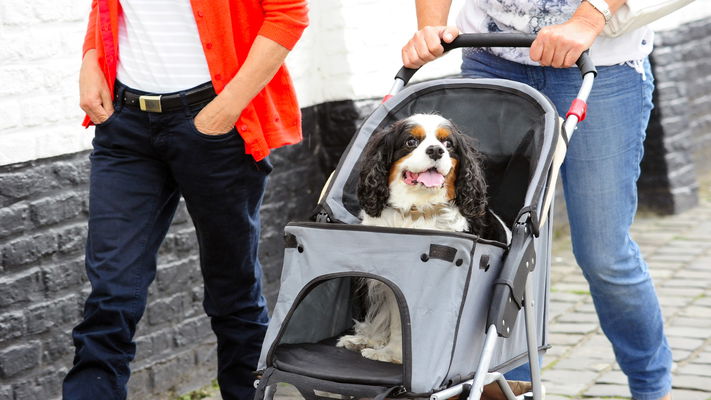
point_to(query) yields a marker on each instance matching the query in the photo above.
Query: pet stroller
(459, 295)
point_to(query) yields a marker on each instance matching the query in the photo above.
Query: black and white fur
(399, 186)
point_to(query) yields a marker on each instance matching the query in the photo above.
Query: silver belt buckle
(150, 103)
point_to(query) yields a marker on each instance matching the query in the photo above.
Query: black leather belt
(160, 103)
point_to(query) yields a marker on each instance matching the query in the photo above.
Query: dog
(420, 172)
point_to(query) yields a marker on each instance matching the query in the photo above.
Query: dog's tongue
(430, 178)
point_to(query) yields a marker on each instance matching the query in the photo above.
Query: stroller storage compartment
(444, 276)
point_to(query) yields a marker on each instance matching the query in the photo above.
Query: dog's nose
(435, 152)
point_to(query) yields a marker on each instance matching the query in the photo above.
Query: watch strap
(602, 7)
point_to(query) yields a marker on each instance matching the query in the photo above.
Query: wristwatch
(601, 5)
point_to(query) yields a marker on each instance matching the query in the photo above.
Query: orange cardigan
(227, 30)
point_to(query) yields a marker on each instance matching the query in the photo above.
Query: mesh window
(507, 124)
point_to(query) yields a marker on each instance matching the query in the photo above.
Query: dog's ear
(471, 183)
(373, 187)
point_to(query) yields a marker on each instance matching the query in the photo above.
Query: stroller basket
(459, 295)
(438, 299)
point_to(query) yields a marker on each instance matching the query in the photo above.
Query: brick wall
(683, 72)
(43, 209)
(678, 146)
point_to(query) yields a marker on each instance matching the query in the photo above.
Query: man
(149, 78)
(602, 164)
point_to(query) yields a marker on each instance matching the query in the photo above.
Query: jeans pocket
(110, 119)
(202, 135)
(264, 165)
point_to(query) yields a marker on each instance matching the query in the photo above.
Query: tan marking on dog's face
(443, 132)
(418, 132)
(396, 169)
(450, 181)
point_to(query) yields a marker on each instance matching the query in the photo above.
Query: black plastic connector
(509, 288)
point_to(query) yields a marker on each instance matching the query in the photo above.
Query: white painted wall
(350, 51)
(697, 10)
(40, 55)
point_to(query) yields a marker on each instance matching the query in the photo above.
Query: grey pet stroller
(459, 295)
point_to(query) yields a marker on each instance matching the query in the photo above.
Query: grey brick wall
(43, 209)
(678, 145)
(683, 68)
(41, 225)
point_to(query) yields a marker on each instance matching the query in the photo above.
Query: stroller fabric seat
(326, 361)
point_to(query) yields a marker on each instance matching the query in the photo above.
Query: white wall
(350, 51)
(697, 10)
(40, 53)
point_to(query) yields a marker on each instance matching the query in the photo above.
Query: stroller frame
(512, 290)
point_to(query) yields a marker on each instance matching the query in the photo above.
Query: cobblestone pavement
(678, 252)
(581, 365)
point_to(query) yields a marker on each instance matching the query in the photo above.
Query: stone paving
(677, 248)
(581, 364)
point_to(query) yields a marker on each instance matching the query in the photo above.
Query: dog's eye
(448, 144)
(412, 142)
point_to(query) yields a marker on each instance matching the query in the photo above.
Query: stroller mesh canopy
(508, 120)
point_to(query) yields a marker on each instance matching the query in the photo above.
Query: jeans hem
(651, 395)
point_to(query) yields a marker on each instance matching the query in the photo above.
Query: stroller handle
(496, 40)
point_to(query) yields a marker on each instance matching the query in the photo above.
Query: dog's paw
(352, 342)
(385, 354)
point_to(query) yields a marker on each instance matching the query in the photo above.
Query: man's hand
(94, 96)
(218, 116)
(426, 45)
(561, 45)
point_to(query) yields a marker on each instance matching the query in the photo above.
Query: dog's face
(424, 158)
(419, 160)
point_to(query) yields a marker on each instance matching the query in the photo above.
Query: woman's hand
(94, 96)
(426, 45)
(218, 116)
(561, 45)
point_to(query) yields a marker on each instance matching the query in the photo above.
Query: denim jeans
(599, 179)
(140, 165)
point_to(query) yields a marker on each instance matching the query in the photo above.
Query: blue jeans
(599, 179)
(141, 164)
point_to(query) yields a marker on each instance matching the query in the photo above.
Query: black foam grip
(585, 64)
(406, 74)
(490, 40)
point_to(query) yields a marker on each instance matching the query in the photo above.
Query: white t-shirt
(159, 46)
(529, 16)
